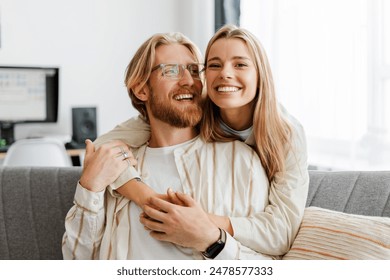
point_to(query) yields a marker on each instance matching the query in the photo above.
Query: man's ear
(142, 93)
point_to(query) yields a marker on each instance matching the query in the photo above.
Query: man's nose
(187, 78)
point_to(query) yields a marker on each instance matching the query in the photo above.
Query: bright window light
(331, 64)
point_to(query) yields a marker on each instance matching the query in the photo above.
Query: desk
(76, 152)
(77, 156)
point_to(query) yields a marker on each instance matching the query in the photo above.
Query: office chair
(37, 152)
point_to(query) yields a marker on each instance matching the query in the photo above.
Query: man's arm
(84, 226)
(84, 223)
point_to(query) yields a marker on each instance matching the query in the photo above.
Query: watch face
(214, 249)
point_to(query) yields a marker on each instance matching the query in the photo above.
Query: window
(331, 63)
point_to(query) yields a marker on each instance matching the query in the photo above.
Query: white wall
(92, 42)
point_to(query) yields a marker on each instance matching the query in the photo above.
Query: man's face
(174, 101)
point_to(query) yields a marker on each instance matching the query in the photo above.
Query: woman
(241, 104)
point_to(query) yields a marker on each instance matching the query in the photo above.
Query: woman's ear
(142, 93)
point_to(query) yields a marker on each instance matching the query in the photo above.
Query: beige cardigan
(271, 231)
(98, 225)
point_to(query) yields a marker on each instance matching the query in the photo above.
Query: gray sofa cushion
(35, 200)
(33, 205)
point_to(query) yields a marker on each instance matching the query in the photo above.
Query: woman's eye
(240, 65)
(213, 66)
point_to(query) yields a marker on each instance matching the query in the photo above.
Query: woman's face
(231, 75)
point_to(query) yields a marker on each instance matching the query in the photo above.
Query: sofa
(35, 200)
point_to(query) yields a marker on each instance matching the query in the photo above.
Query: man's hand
(104, 165)
(186, 225)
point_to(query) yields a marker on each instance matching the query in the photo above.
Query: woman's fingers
(174, 198)
(185, 199)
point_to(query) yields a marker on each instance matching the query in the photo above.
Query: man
(163, 80)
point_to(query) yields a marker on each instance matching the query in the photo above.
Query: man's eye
(194, 69)
(171, 71)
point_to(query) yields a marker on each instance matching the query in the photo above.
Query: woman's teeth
(228, 89)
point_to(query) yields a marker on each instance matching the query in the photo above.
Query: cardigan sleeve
(276, 227)
(135, 132)
(84, 225)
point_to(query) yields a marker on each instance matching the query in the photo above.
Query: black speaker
(83, 125)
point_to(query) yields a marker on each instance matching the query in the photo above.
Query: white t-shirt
(159, 171)
(242, 134)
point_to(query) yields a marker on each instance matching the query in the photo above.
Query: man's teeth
(184, 96)
(228, 89)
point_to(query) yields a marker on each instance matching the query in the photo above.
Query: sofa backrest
(34, 202)
(355, 192)
(33, 205)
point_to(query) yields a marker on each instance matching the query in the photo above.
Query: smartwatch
(214, 249)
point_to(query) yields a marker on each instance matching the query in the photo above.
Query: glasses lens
(176, 71)
(171, 71)
(195, 70)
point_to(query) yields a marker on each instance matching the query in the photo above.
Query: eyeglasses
(176, 71)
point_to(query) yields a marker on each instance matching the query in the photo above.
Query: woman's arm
(134, 133)
(275, 228)
(141, 194)
(222, 222)
(137, 191)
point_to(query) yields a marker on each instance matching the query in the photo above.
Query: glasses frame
(181, 72)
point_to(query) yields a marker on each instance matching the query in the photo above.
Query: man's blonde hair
(140, 67)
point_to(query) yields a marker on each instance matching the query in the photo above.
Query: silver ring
(125, 155)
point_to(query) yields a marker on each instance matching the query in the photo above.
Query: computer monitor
(27, 95)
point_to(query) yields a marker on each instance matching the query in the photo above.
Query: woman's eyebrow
(241, 57)
(214, 58)
(233, 58)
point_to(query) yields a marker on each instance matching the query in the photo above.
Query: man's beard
(166, 111)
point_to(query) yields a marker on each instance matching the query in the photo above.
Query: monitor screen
(27, 94)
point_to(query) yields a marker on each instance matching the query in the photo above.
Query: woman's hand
(104, 165)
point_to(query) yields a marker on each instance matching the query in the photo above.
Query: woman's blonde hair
(140, 67)
(271, 131)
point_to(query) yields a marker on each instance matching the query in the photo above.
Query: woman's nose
(226, 72)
